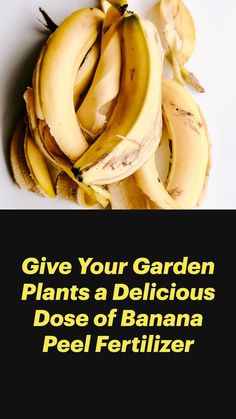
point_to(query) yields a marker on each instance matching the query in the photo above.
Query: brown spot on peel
(191, 120)
(132, 71)
(175, 193)
(105, 29)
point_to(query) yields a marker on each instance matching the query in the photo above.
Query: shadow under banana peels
(14, 85)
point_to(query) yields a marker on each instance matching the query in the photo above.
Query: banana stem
(182, 76)
(177, 72)
(192, 80)
(49, 24)
(123, 9)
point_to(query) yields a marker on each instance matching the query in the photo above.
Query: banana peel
(178, 36)
(157, 157)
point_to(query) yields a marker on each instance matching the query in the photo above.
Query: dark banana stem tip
(49, 24)
(123, 9)
(77, 174)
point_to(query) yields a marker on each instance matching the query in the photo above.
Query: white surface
(213, 62)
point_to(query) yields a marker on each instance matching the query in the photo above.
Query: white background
(213, 62)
